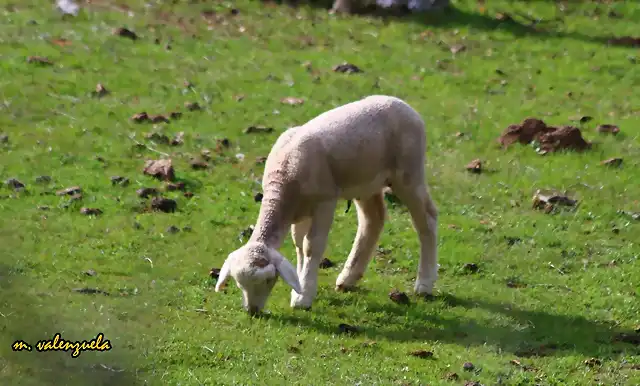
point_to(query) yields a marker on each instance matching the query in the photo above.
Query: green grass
(167, 325)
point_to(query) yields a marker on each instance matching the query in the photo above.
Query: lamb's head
(255, 268)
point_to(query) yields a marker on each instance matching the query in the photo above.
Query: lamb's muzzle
(351, 152)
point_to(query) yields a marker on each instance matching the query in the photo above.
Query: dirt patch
(162, 204)
(563, 138)
(90, 291)
(625, 41)
(258, 129)
(421, 354)
(160, 169)
(631, 338)
(549, 138)
(538, 351)
(39, 60)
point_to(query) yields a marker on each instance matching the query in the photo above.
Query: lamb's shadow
(522, 332)
(519, 25)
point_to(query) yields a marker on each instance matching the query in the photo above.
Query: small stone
(119, 180)
(261, 160)
(14, 184)
(173, 186)
(125, 33)
(43, 179)
(470, 267)
(593, 362)
(140, 117)
(178, 139)
(451, 377)
(468, 366)
(160, 169)
(475, 166)
(197, 164)
(347, 68)
(100, 91)
(173, 229)
(246, 233)
(214, 273)
(192, 106)
(4, 138)
(344, 328)
(90, 272)
(612, 162)
(147, 192)
(72, 191)
(91, 211)
(608, 129)
(158, 119)
(258, 129)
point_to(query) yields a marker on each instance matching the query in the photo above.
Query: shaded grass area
(551, 290)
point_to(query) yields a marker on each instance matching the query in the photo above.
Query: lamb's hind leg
(298, 232)
(371, 216)
(315, 243)
(424, 216)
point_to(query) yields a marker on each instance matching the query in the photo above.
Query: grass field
(546, 305)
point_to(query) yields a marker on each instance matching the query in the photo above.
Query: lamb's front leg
(315, 243)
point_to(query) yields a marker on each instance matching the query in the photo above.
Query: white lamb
(351, 152)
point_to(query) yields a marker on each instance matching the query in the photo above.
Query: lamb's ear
(223, 277)
(288, 274)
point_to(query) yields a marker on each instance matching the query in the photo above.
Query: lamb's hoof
(300, 303)
(423, 289)
(344, 288)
